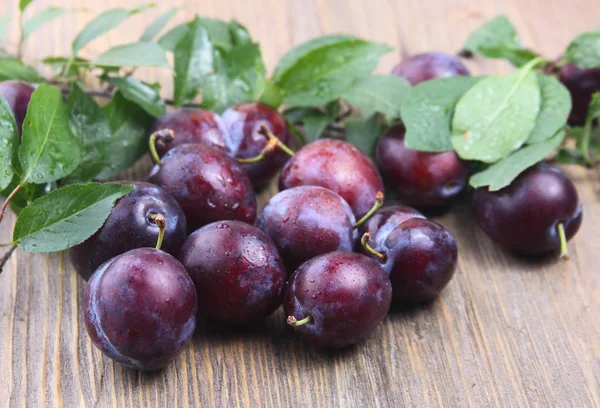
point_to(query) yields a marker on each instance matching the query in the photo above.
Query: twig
(6, 257)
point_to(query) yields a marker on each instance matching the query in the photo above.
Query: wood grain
(506, 332)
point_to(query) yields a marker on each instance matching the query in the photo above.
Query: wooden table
(506, 331)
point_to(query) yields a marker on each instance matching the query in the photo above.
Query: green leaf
(66, 217)
(292, 57)
(59, 64)
(554, 110)
(12, 69)
(170, 40)
(498, 39)
(129, 125)
(3, 23)
(239, 33)
(158, 24)
(193, 61)
(427, 112)
(90, 125)
(40, 19)
(49, 150)
(237, 78)
(496, 116)
(271, 94)
(315, 124)
(570, 156)
(147, 97)
(585, 139)
(379, 93)
(102, 24)
(326, 72)
(584, 50)
(140, 54)
(364, 132)
(23, 4)
(502, 173)
(9, 144)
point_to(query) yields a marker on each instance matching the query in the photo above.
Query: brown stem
(161, 222)
(364, 240)
(373, 210)
(7, 256)
(269, 147)
(164, 136)
(10, 197)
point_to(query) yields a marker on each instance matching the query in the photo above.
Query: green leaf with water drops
(9, 144)
(49, 150)
(554, 110)
(584, 50)
(325, 72)
(140, 54)
(427, 112)
(503, 172)
(146, 96)
(496, 116)
(129, 125)
(90, 125)
(378, 93)
(66, 217)
(194, 60)
(364, 132)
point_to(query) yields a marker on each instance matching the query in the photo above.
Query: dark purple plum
(237, 271)
(337, 166)
(418, 255)
(385, 220)
(131, 225)
(18, 95)
(244, 122)
(191, 125)
(581, 83)
(419, 178)
(430, 65)
(208, 185)
(528, 215)
(140, 308)
(337, 299)
(307, 221)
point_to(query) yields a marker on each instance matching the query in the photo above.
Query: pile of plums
(189, 244)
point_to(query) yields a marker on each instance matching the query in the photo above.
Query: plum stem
(563, 241)
(364, 240)
(292, 321)
(373, 210)
(10, 197)
(267, 133)
(269, 147)
(164, 136)
(161, 222)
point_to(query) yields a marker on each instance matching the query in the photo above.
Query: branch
(6, 257)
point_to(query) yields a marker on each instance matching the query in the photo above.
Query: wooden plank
(506, 332)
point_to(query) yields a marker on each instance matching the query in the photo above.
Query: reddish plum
(385, 220)
(537, 213)
(208, 185)
(430, 65)
(131, 224)
(191, 125)
(337, 299)
(338, 166)
(307, 221)
(140, 308)
(418, 255)
(244, 122)
(421, 179)
(237, 271)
